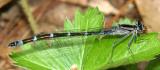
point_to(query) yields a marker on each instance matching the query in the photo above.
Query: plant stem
(28, 13)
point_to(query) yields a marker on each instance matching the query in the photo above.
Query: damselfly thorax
(121, 29)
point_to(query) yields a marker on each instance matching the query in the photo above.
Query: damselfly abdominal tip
(122, 29)
(15, 43)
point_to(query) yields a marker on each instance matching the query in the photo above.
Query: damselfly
(121, 29)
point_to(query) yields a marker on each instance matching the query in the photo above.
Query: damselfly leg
(117, 43)
(133, 37)
(134, 30)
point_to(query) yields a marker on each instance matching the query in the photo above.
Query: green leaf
(87, 52)
(68, 25)
(89, 20)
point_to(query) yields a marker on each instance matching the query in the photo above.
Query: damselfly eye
(140, 26)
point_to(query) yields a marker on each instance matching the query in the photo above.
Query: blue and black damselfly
(121, 29)
(124, 30)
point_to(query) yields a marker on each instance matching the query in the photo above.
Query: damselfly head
(139, 26)
(16, 43)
